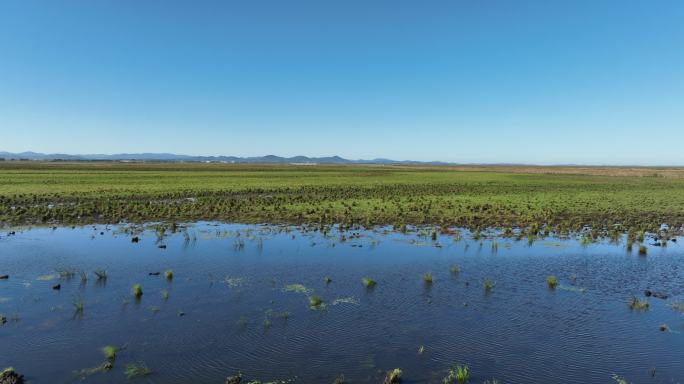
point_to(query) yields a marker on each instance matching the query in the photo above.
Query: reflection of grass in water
(297, 288)
(164, 294)
(134, 370)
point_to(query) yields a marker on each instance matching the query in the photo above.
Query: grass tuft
(368, 282)
(458, 374)
(137, 291)
(551, 281)
(638, 305)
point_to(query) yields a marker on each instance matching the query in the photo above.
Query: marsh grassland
(562, 199)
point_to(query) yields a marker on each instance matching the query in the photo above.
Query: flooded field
(287, 304)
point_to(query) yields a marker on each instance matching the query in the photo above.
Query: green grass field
(565, 199)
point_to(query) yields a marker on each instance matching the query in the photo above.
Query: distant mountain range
(269, 159)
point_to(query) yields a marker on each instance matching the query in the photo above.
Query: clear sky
(576, 81)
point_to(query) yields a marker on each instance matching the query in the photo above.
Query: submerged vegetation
(134, 370)
(535, 199)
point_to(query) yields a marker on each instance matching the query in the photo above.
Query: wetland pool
(240, 302)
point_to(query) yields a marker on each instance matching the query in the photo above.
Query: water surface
(239, 302)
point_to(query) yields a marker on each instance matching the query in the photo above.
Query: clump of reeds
(109, 353)
(101, 274)
(458, 374)
(137, 291)
(488, 285)
(638, 305)
(393, 376)
(551, 281)
(169, 275)
(315, 302)
(427, 278)
(368, 282)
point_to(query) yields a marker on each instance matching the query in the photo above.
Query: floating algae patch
(297, 288)
(346, 300)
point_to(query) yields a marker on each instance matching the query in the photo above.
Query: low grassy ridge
(564, 198)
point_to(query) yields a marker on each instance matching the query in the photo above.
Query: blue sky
(581, 81)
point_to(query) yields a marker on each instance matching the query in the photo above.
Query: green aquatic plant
(488, 285)
(78, 305)
(393, 376)
(137, 291)
(454, 269)
(619, 379)
(169, 275)
(164, 294)
(427, 278)
(10, 376)
(134, 370)
(458, 374)
(315, 302)
(638, 305)
(368, 282)
(551, 281)
(109, 352)
(297, 288)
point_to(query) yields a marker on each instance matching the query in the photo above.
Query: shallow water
(231, 285)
